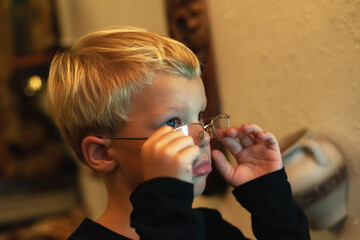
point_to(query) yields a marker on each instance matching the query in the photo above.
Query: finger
(245, 139)
(270, 140)
(178, 144)
(157, 142)
(165, 134)
(251, 132)
(185, 159)
(220, 134)
(235, 132)
(233, 145)
(222, 164)
(189, 154)
(161, 132)
(252, 129)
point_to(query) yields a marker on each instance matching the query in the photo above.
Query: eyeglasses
(196, 130)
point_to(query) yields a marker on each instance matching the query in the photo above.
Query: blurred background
(293, 67)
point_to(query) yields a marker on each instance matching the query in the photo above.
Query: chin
(199, 185)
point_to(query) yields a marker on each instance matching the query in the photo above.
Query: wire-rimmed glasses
(196, 130)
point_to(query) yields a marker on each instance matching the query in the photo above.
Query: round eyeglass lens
(220, 123)
(194, 130)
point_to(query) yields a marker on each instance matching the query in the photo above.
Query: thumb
(223, 165)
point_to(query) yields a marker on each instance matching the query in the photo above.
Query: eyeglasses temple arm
(119, 138)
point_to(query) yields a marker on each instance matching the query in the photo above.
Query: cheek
(129, 163)
(128, 150)
(206, 151)
(199, 185)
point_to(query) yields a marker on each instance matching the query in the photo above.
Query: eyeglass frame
(211, 124)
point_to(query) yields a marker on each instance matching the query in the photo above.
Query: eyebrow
(174, 109)
(163, 113)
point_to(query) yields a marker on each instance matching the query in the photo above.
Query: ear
(95, 151)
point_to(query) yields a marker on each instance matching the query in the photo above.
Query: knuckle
(177, 159)
(166, 152)
(157, 147)
(180, 162)
(195, 149)
(189, 140)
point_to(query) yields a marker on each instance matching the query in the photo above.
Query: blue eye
(174, 123)
(200, 116)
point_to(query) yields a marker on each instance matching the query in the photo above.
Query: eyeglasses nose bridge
(209, 129)
(202, 133)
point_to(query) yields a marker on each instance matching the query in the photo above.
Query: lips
(202, 169)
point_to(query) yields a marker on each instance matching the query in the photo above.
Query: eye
(200, 117)
(174, 122)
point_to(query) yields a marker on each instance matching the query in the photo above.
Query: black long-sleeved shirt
(163, 210)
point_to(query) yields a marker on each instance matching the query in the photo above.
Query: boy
(130, 103)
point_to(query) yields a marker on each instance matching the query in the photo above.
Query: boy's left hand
(256, 152)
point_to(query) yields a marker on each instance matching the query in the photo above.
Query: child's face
(169, 100)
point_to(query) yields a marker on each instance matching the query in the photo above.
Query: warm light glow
(33, 85)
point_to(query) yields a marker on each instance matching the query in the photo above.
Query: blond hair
(90, 86)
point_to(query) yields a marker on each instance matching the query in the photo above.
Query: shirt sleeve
(162, 209)
(274, 214)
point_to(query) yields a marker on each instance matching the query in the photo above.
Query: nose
(206, 139)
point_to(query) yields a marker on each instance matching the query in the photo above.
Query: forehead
(169, 93)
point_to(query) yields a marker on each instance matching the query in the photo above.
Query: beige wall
(78, 17)
(292, 64)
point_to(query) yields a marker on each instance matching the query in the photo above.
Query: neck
(116, 216)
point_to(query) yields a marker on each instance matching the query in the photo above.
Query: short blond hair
(90, 86)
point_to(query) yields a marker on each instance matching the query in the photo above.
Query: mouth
(202, 169)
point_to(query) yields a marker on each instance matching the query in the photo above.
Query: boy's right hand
(169, 153)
